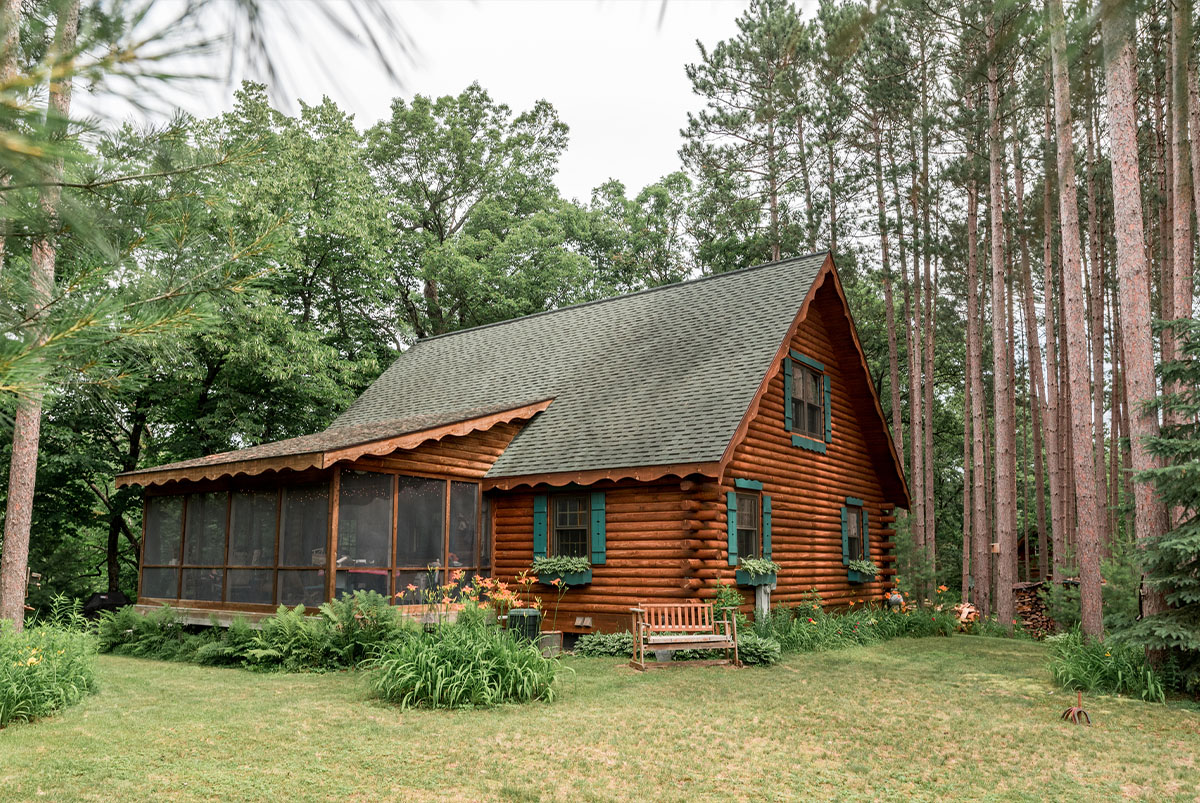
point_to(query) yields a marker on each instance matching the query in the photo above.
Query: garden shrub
(292, 642)
(462, 665)
(1079, 663)
(358, 623)
(43, 669)
(605, 645)
(346, 632)
(756, 649)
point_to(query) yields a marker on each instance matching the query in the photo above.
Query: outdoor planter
(550, 642)
(568, 578)
(859, 577)
(744, 578)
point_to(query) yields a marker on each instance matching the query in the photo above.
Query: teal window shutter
(766, 526)
(539, 526)
(828, 414)
(787, 394)
(845, 537)
(731, 525)
(866, 545)
(598, 528)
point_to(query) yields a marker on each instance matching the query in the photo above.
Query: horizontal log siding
(809, 489)
(645, 553)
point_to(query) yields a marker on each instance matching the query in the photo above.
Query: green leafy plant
(864, 566)
(729, 597)
(759, 567)
(605, 645)
(757, 649)
(43, 669)
(461, 666)
(1083, 664)
(560, 564)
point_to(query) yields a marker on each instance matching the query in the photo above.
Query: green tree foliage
(744, 144)
(1171, 562)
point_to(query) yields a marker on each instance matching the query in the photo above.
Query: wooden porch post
(331, 537)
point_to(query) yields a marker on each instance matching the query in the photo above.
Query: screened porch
(254, 543)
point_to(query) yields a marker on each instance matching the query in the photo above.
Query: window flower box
(745, 578)
(567, 578)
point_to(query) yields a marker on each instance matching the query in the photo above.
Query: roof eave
(560, 479)
(322, 459)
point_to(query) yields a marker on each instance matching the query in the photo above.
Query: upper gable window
(808, 401)
(806, 411)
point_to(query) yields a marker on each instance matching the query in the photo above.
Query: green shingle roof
(658, 377)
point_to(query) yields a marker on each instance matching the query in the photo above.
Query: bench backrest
(685, 617)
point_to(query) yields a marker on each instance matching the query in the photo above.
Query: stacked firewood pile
(1031, 610)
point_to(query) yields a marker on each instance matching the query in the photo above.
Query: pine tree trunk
(888, 302)
(1004, 403)
(1166, 285)
(980, 555)
(915, 377)
(1086, 501)
(1050, 417)
(1186, 301)
(810, 210)
(1095, 305)
(967, 484)
(1137, 339)
(930, 323)
(1033, 351)
(1180, 290)
(27, 422)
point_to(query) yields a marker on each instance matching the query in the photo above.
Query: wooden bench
(682, 626)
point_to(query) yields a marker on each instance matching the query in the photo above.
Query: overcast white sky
(612, 72)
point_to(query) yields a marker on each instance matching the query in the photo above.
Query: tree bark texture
(22, 475)
(1137, 339)
(1087, 503)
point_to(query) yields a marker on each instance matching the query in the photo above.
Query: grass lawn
(959, 718)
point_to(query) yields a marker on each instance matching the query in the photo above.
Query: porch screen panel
(464, 524)
(304, 525)
(301, 587)
(204, 536)
(416, 586)
(364, 519)
(420, 522)
(252, 528)
(162, 583)
(251, 585)
(164, 528)
(203, 584)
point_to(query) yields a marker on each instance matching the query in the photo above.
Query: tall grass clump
(462, 665)
(47, 667)
(1079, 663)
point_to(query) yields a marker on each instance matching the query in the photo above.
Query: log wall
(645, 560)
(809, 489)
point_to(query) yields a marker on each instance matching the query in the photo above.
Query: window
(808, 401)
(854, 534)
(749, 521)
(569, 532)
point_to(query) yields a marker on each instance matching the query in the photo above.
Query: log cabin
(664, 436)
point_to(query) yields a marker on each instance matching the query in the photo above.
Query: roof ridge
(643, 291)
